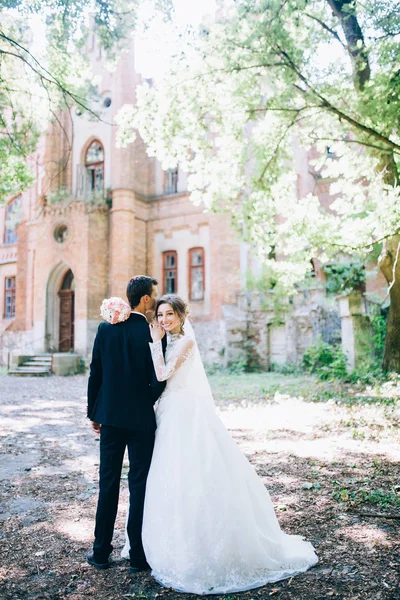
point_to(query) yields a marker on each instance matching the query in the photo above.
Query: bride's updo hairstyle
(180, 307)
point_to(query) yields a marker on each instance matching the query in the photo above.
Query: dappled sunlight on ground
(369, 535)
(292, 425)
(313, 456)
(79, 530)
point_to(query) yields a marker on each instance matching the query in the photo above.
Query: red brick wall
(122, 241)
(97, 248)
(225, 260)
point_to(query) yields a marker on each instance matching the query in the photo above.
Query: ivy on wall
(342, 278)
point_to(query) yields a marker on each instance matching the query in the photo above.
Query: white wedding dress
(209, 525)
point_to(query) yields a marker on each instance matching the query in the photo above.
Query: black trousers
(113, 442)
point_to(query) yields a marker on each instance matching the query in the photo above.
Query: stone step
(35, 368)
(40, 358)
(37, 363)
(29, 371)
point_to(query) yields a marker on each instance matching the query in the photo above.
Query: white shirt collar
(136, 312)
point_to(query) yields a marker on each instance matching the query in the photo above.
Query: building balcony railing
(90, 188)
(8, 253)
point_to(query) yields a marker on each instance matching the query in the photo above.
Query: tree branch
(48, 77)
(350, 141)
(284, 134)
(327, 105)
(366, 246)
(325, 26)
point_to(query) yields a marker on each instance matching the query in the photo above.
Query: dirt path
(332, 468)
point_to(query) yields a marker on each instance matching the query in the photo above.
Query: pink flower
(115, 310)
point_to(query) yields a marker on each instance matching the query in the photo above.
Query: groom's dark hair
(139, 286)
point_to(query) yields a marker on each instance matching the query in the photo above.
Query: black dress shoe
(96, 562)
(140, 567)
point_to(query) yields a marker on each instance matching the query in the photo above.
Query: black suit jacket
(122, 384)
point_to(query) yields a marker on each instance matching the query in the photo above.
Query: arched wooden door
(67, 313)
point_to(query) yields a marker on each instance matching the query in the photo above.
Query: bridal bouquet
(115, 310)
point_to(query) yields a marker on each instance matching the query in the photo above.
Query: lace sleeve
(165, 371)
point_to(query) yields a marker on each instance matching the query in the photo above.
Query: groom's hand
(96, 427)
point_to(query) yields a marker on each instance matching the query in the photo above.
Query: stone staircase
(33, 366)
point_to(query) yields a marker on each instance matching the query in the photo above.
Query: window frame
(12, 292)
(191, 267)
(165, 269)
(94, 166)
(173, 179)
(7, 231)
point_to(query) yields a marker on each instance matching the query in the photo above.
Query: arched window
(12, 218)
(94, 165)
(196, 274)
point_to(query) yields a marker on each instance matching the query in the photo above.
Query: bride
(209, 525)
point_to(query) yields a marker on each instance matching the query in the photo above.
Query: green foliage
(82, 368)
(274, 293)
(287, 368)
(270, 386)
(343, 278)
(15, 175)
(368, 372)
(59, 196)
(34, 87)
(247, 363)
(238, 366)
(263, 74)
(366, 495)
(378, 324)
(369, 369)
(327, 361)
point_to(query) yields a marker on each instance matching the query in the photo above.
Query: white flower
(115, 310)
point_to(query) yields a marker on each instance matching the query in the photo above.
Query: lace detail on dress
(180, 349)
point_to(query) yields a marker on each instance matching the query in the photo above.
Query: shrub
(369, 372)
(239, 366)
(326, 361)
(378, 324)
(287, 368)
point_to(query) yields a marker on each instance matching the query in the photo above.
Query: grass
(263, 387)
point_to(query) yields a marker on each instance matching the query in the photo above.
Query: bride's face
(168, 318)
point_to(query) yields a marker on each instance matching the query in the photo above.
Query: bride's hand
(156, 331)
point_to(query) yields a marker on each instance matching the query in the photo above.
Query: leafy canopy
(269, 79)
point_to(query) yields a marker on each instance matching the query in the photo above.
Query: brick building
(98, 215)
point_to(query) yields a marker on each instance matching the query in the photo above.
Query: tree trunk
(346, 11)
(389, 263)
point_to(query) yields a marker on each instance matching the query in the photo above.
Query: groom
(121, 392)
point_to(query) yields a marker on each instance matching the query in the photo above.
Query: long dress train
(209, 524)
